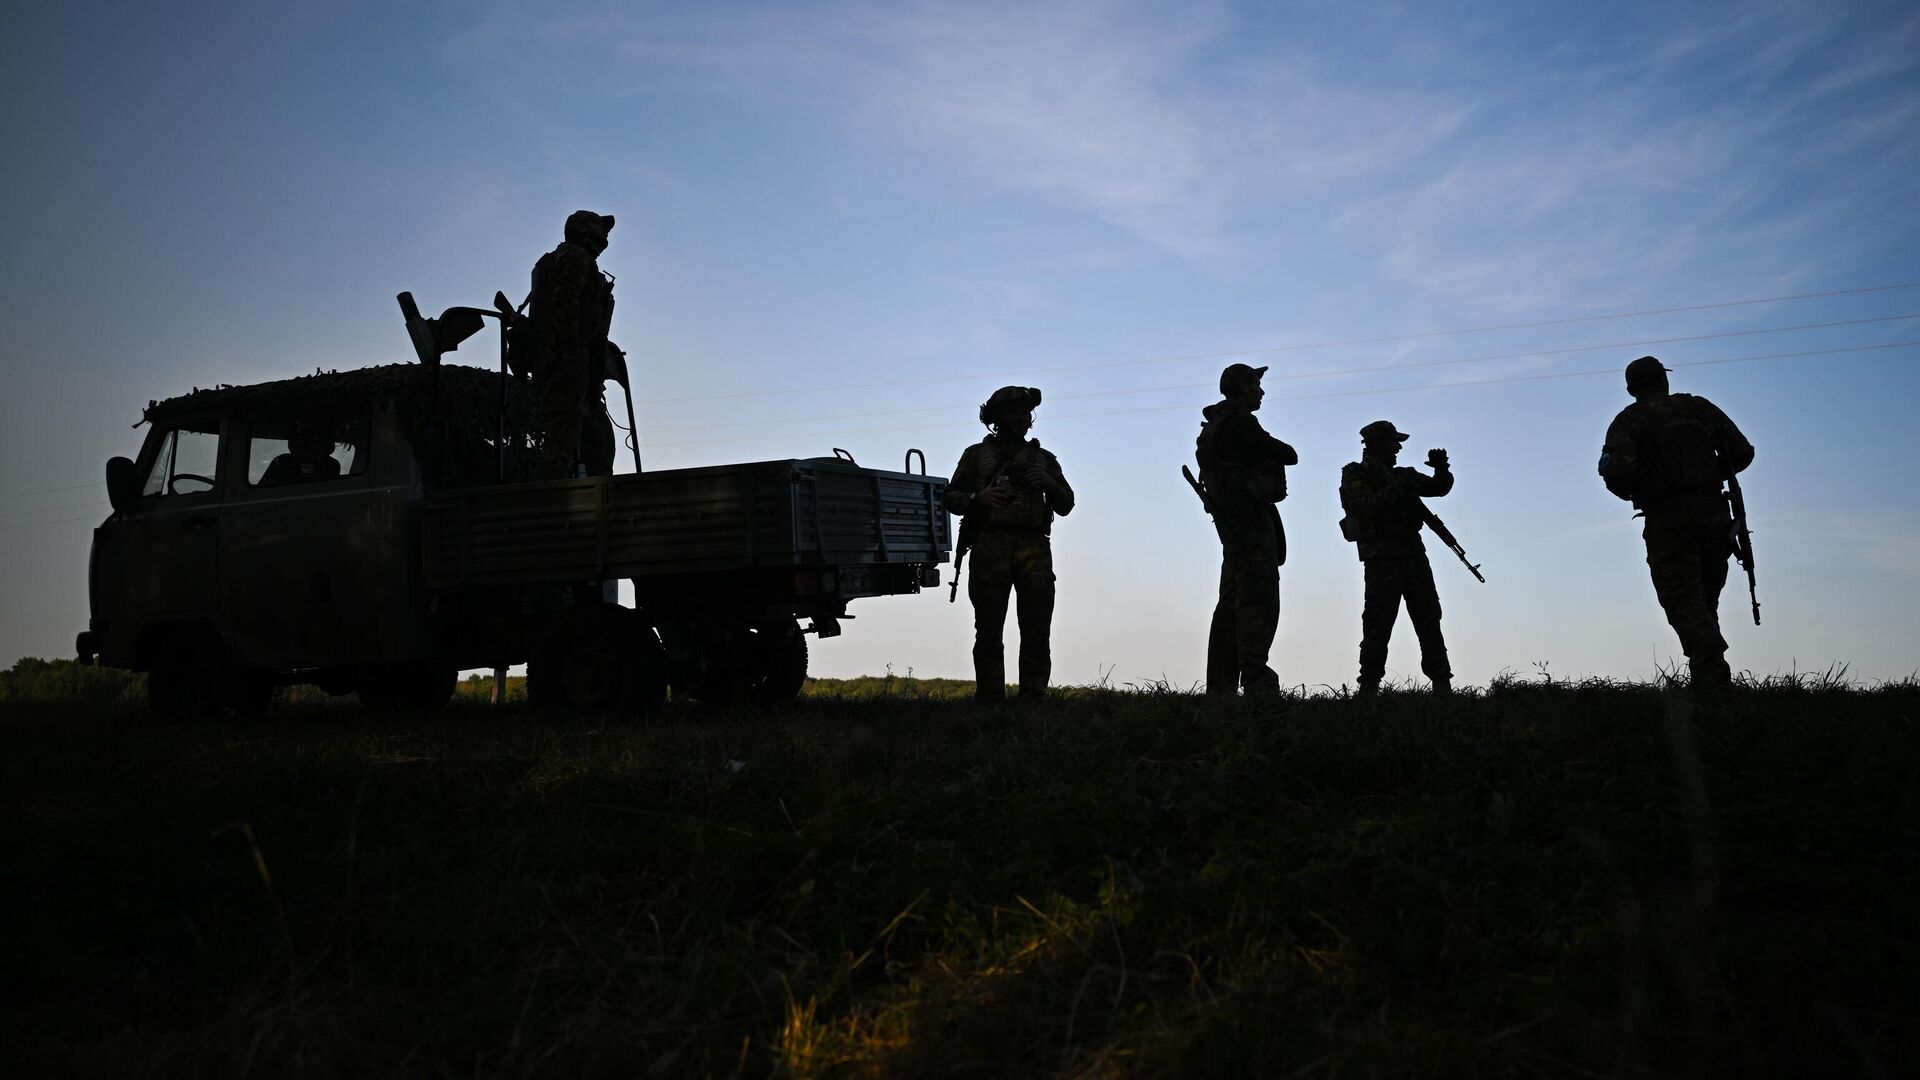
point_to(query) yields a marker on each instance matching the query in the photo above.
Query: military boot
(1442, 687)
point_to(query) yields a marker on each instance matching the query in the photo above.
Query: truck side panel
(763, 514)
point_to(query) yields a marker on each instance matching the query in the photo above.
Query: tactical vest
(1026, 508)
(596, 306)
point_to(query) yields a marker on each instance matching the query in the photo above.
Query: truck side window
(307, 446)
(187, 462)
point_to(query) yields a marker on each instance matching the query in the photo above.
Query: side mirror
(123, 484)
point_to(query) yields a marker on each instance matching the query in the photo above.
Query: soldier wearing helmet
(572, 309)
(1244, 473)
(1668, 454)
(1009, 490)
(1384, 516)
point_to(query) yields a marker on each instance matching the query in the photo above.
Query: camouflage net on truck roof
(452, 412)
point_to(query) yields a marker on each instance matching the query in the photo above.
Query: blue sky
(916, 203)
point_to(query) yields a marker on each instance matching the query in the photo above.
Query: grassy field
(886, 879)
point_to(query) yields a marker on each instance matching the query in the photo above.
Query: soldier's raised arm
(1436, 485)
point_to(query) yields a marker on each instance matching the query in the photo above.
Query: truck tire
(188, 677)
(598, 660)
(764, 664)
(781, 662)
(417, 686)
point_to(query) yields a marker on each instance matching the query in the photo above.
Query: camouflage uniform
(573, 307)
(1243, 470)
(1665, 453)
(1382, 502)
(1011, 553)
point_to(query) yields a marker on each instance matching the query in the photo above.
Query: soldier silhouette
(1667, 454)
(1384, 516)
(572, 308)
(1008, 490)
(1243, 471)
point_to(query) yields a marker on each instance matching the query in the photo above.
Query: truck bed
(763, 514)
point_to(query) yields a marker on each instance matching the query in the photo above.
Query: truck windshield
(187, 462)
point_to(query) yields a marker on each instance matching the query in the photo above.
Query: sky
(845, 224)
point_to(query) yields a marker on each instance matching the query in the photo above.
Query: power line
(1325, 373)
(1305, 397)
(51, 509)
(48, 491)
(37, 524)
(1191, 406)
(1424, 334)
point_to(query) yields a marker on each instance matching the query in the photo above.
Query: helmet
(1009, 399)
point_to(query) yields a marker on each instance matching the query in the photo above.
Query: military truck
(373, 532)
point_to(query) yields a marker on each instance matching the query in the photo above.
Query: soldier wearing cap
(1244, 472)
(1384, 516)
(1009, 490)
(1668, 454)
(572, 309)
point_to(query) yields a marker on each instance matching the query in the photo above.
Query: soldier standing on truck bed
(572, 309)
(1384, 516)
(1007, 490)
(1243, 471)
(1667, 454)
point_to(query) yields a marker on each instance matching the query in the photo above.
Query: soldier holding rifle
(1668, 454)
(1243, 473)
(1007, 491)
(1384, 517)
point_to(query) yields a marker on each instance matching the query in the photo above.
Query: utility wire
(1420, 335)
(1324, 373)
(48, 491)
(1304, 397)
(1192, 406)
(1205, 356)
(51, 509)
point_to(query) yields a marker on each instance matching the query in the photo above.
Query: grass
(1539, 879)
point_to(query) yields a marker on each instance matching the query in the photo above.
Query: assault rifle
(961, 545)
(1742, 537)
(1439, 529)
(1199, 490)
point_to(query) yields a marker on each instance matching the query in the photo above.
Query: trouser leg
(563, 394)
(989, 598)
(1423, 610)
(1251, 551)
(1687, 578)
(1223, 638)
(1034, 600)
(1381, 608)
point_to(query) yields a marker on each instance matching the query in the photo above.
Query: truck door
(169, 542)
(292, 559)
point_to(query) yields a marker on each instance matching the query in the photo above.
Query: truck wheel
(595, 660)
(188, 678)
(780, 662)
(421, 686)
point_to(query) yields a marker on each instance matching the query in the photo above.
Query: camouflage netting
(452, 412)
